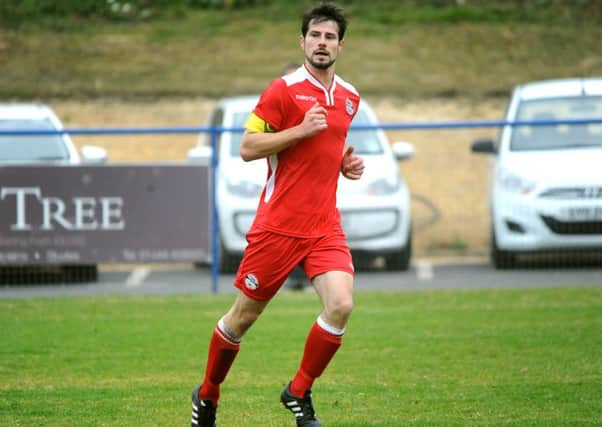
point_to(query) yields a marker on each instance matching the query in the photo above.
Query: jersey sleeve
(269, 108)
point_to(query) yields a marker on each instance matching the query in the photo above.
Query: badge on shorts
(251, 282)
(349, 106)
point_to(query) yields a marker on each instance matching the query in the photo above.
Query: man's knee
(344, 307)
(243, 314)
(338, 311)
(245, 319)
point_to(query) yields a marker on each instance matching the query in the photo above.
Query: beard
(320, 65)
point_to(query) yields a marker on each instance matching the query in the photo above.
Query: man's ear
(302, 42)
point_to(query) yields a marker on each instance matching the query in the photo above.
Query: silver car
(546, 178)
(54, 149)
(43, 148)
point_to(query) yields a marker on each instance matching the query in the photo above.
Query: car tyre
(80, 273)
(400, 261)
(501, 259)
(228, 261)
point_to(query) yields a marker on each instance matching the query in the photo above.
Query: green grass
(445, 358)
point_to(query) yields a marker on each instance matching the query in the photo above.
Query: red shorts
(270, 257)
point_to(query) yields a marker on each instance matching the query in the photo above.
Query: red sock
(320, 347)
(222, 351)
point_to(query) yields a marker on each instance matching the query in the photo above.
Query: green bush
(23, 9)
(14, 12)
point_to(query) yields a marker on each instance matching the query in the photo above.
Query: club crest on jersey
(349, 107)
(251, 282)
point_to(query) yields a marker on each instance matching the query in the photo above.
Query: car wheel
(80, 273)
(400, 261)
(228, 262)
(501, 259)
(363, 261)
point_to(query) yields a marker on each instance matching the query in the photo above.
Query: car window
(561, 136)
(364, 141)
(31, 147)
(215, 120)
(238, 121)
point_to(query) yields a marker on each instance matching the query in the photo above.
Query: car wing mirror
(200, 154)
(93, 154)
(403, 150)
(484, 145)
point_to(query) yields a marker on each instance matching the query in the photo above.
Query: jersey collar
(328, 92)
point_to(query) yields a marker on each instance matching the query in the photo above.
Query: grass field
(445, 358)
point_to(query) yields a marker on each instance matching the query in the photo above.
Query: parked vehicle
(546, 177)
(375, 210)
(31, 149)
(55, 149)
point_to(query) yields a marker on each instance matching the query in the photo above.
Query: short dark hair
(325, 12)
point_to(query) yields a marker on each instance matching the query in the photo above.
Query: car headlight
(244, 189)
(384, 186)
(515, 183)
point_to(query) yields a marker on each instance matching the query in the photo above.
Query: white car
(375, 210)
(546, 180)
(32, 149)
(55, 149)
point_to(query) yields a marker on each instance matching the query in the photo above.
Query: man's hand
(352, 167)
(314, 121)
(257, 145)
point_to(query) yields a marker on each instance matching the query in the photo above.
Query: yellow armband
(256, 124)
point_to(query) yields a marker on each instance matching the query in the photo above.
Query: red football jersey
(299, 198)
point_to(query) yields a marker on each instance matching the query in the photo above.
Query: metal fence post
(214, 218)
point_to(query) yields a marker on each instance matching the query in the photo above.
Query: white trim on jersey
(296, 76)
(271, 183)
(301, 74)
(329, 96)
(346, 85)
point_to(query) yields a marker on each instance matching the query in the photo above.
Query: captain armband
(256, 124)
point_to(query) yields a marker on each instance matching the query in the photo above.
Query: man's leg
(225, 343)
(324, 339)
(223, 348)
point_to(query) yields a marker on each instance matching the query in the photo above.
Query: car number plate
(585, 213)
